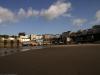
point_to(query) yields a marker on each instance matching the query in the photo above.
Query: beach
(66, 60)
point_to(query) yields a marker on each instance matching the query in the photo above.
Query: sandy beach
(69, 60)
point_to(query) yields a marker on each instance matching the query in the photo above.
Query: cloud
(57, 9)
(35, 12)
(6, 15)
(68, 15)
(29, 13)
(79, 21)
(21, 13)
(98, 15)
(97, 18)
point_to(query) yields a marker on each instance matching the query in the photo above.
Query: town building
(25, 38)
(36, 39)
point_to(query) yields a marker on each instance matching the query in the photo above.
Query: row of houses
(82, 36)
(91, 35)
(23, 39)
(45, 39)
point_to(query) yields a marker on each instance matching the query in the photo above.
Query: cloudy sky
(47, 16)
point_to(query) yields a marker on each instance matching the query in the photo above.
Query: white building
(24, 38)
(11, 38)
(36, 37)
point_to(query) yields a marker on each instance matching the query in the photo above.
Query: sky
(47, 16)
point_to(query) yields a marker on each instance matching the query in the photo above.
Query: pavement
(69, 60)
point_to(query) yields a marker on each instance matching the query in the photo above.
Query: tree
(5, 36)
(96, 26)
(22, 34)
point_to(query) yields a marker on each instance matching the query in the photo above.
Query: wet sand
(71, 60)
